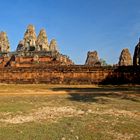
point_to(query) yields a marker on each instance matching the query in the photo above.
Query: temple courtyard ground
(56, 112)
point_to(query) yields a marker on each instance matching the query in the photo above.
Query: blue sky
(79, 26)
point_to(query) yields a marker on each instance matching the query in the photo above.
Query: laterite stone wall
(76, 74)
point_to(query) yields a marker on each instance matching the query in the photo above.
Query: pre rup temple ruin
(38, 61)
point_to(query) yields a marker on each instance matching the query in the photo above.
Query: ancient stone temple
(92, 59)
(125, 58)
(29, 41)
(32, 51)
(53, 45)
(136, 57)
(30, 38)
(36, 60)
(4, 43)
(42, 41)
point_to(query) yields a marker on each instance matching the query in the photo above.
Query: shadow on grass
(87, 98)
(98, 94)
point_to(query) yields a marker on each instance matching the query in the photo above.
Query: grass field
(46, 112)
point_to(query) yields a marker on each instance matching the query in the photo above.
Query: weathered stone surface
(42, 41)
(20, 46)
(65, 60)
(92, 59)
(30, 38)
(4, 42)
(54, 74)
(125, 58)
(53, 46)
(136, 57)
(36, 58)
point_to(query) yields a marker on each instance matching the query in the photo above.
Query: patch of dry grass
(48, 112)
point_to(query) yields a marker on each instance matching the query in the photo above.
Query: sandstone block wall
(71, 75)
